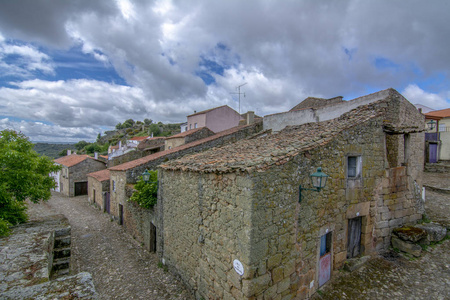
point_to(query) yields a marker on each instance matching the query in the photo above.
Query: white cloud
(31, 59)
(416, 95)
(285, 51)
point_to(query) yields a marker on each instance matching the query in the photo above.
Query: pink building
(216, 119)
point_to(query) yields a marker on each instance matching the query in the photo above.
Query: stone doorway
(354, 237)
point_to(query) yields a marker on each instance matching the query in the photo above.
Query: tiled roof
(208, 110)
(71, 160)
(443, 113)
(114, 147)
(261, 153)
(139, 138)
(185, 133)
(100, 175)
(141, 161)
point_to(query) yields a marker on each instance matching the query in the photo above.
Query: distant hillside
(52, 150)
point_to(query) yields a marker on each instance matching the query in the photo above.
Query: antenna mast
(239, 93)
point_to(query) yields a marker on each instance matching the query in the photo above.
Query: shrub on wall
(146, 192)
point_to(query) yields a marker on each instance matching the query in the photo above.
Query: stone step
(61, 252)
(62, 242)
(61, 263)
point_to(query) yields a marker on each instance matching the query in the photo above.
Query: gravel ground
(120, 267)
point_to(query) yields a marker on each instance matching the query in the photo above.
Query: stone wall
(78, 173)
(96, 190)
(444, 151)
(132, 155)
(277, 122)
(205, 229)
(64, 186)
(208, 220)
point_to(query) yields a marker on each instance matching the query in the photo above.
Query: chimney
(69, 152)
(250, 117)
(420, 110)
(96, 155)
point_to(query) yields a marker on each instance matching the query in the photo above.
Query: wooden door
(120, 214)
(325, 259)
(354, 237)
(81, 188)
(107, 203)
(433, 153)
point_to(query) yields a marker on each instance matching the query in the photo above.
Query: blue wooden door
(432, 153)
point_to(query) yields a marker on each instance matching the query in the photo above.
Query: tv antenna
(239, 93)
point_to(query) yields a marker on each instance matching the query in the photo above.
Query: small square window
(353, 166)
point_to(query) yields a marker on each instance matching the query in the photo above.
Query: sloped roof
(185, 133)
(141, 161)
(208, 110)
(71, 160)
(139, 138)
(100, 175)
(443, 113)
(261, 153)
(313, 102)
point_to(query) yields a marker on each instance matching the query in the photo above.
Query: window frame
(357, 167)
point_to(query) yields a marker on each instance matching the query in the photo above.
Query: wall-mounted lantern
(146, 176)
(431, 124)
(318, 180)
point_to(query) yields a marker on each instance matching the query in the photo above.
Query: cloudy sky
(72, 69)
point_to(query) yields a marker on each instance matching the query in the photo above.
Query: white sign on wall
(238, 267)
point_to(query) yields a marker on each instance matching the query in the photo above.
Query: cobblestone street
(120, 267)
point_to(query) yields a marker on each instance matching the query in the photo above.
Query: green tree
(146, 192)
(154, 128)
(119, 126)
(24, 175)
(81, 144)
(148, 121)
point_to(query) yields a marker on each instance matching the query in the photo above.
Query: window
(353, 166)
(195, 125)
(190, 126)
(185, 128)
(114, 185)
(325, 244)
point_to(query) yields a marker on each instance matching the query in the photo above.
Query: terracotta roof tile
(148, 158)
(443, 113)
(258, 154)
(71, 160)
(185, 133)
(100, 175)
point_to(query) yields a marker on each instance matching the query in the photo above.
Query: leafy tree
(63, 152)
(154, 128)
(81, 144)
(24, 175)
(128, 123)
(119, 126)
(99, 136)
(146, 192)
(148, 121)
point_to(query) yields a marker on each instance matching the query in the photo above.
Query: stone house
(99, 190)
(438, 135)
(231, 221)
(73, 179)
(216, 119)
(142, 223)
(187, 137)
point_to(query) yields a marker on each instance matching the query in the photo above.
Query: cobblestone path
(120, 267)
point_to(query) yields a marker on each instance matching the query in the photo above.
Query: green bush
(146, 193)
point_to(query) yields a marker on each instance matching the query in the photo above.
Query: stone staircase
(61, 254)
